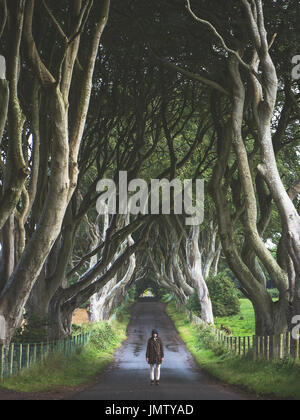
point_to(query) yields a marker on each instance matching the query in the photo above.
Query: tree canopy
(161, 89)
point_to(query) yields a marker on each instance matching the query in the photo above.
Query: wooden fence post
(281, 346)
(268, 348)
(28, 356)
(258, 339)
(34, 353)
(42, 352)
(254, 348)
(288, 343)
(20, 355)
(12, 348)
(2, 362)
(273, 353)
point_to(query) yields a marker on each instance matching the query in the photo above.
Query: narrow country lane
(181, 379)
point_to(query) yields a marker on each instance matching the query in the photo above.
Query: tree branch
(193, 76)
(214, 30)
(45, 77)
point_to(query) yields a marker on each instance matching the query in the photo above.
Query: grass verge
(60, 371)
(279, 379)
(242, 324)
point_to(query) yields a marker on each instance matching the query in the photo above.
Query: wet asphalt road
(181, 379)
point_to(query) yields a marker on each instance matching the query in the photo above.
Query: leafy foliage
(102, 334)
(32, 331)
(193, 304)
(206, 338)
(224, 295)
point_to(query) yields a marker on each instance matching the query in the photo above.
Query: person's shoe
(152, 382)
(157, 382)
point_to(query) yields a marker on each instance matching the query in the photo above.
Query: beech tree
(251, 124)
(271, 318)
(54, 78)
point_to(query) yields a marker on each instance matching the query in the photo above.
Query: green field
(242, 324)
(274, 379)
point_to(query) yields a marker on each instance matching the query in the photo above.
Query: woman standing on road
(155, 355)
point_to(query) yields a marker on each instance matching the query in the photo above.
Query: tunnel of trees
(163, 90)
(148, 283)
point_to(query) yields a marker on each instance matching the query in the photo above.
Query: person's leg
(152, 373)
(157, 376)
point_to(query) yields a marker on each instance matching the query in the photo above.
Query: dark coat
(155, 351)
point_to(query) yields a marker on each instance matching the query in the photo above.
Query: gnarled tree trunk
(195, 270)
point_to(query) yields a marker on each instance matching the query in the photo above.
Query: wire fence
(260, 347)
(19, 356)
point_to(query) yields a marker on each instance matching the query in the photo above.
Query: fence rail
(19, 356)
(261, 347)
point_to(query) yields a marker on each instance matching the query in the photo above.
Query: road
(181, 379)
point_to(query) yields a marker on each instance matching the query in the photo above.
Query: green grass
(242, 324)
(279, 379)
(60, 371)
